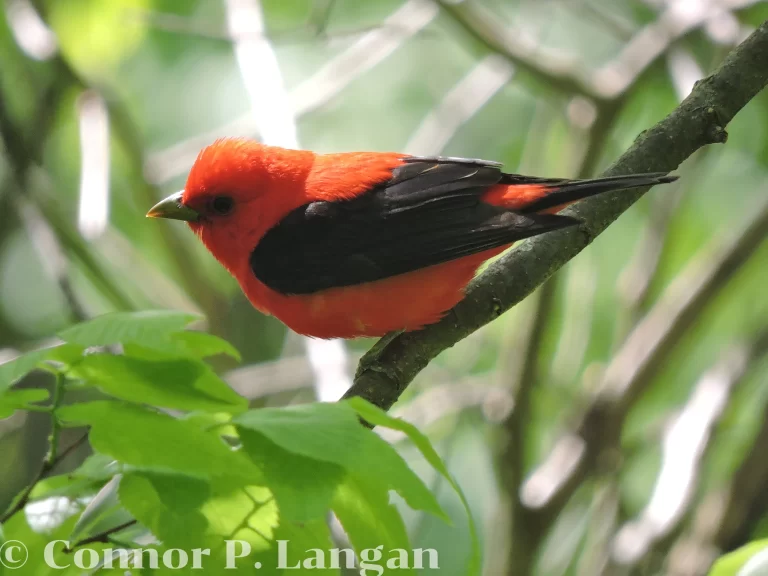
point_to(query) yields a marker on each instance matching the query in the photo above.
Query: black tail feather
(566, 191)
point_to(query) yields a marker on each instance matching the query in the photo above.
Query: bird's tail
(557, 194)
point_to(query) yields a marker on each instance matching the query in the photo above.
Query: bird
(361, 244)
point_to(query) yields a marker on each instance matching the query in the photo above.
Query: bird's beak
(173, 208)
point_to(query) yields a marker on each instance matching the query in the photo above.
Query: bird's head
(233, 190)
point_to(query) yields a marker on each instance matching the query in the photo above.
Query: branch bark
(385, 372)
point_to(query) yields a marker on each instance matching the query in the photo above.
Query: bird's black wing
(428, 213)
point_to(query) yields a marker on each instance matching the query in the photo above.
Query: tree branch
(385, 372)
(103, 537)
(549, 68)
(604, 85)
(49, 464)
(685, 446)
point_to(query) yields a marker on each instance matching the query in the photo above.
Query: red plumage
(361, 244)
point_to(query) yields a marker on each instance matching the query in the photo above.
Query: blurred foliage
(180, 480)
(167, 71)
(745, 561)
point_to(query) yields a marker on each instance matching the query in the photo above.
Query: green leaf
(749, 560)
(14, 400)
(169, 505)
(185, 344)
(15, 369)
(203, 345)
(149, 334)
(322, 431)
(303, 487)
(262, 538)
(87, 479)
(300, 540)
(379, 459)
(332, 433)
(97, 467)
(184, 512)
(120, 327)
(362, 506)
(378, 417)
(249, 513)
(179, 383)
(103, 512)
(152, 441)
(211, 420)
(65, 485)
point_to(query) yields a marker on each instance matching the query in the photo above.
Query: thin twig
(22, 499)
(69, 449)
(101, 536)
(53, 438)
(51, 461)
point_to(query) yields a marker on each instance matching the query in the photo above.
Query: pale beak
(173, 209)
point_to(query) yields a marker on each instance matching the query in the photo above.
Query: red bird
(364, 243)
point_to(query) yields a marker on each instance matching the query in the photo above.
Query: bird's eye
(222, 205)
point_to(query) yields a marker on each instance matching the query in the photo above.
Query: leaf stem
(53, 438)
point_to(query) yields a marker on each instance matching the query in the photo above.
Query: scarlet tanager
(364, 243)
